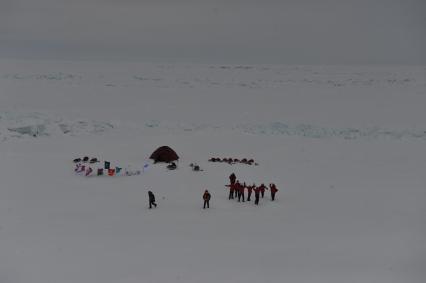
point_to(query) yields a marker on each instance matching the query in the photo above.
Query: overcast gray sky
(234, 31)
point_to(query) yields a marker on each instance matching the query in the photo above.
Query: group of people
(237, 190)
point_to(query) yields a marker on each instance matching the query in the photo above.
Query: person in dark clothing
(273, 190)
(256, 195)
(151, 200)
(262, 189)
(232, 178)
(206, 198)
(231, 191)
(243, 188)
(249, 191)
(241, 192)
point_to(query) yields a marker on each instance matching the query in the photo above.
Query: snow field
(347, 210)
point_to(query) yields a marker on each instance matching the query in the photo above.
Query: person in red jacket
(237, 189)
(241, 189)
(262, 189)
(206, 198)
(249, 191)
(256, 195)
(273, 190)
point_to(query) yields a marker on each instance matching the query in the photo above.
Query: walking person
(273, 190)
(206, 198)
(151, 200)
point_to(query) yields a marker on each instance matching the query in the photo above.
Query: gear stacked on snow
(234, 160)
(82, 166)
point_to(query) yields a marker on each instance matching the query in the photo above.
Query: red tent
(164, 154)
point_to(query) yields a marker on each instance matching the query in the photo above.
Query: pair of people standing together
(206, 198)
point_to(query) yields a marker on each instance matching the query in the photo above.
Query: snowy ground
(345, 146)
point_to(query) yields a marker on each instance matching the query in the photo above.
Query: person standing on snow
(249, 191)
(206, 198)
(273, 190)
(256, 195)
(236, 189)
(232, 178)
(231, 191)
(241, 191)
(151, 200)
(262, 189)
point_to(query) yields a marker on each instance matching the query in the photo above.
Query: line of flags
(108, 170)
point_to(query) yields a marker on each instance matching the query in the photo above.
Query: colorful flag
(107, 165)
(117, 170)
(111, 172)
(100, 171)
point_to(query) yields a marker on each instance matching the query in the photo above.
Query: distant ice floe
(172, 126)
(317, 132)
(56, 76)
(230, 77)
(300, 130)
(33, 125)
(22, 125)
